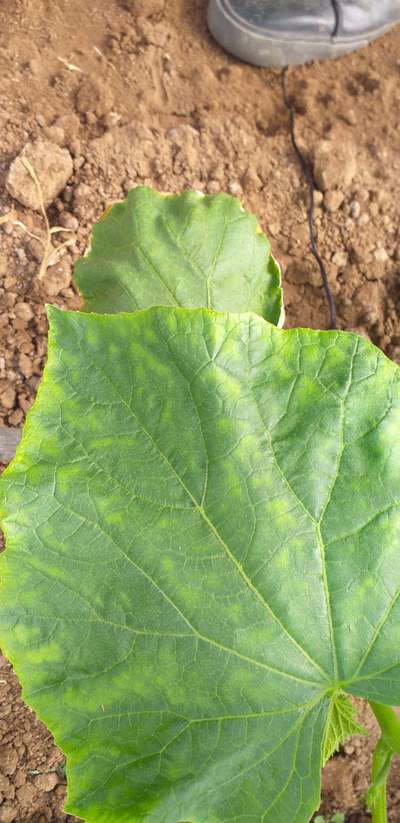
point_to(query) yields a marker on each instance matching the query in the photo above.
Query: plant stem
(381, 763)
(388, 744)
(389, 723)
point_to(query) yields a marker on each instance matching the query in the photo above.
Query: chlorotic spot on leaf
(180, 250)
(202, 525)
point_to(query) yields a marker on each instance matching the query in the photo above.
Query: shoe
(279, 33)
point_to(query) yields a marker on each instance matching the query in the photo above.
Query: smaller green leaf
(186, 250)
(341, 724)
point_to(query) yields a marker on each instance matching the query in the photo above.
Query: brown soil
(155, 101)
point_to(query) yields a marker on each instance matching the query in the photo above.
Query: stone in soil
(47, 782)
(57, 277)
(334, 164)
(52, 166)
(333, 200)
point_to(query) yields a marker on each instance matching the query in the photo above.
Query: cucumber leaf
(180, 250)
(203, 526)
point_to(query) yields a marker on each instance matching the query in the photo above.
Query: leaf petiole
(387, 745)
(376, 797)
(389, 724)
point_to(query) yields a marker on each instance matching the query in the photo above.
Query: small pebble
(381, 255)
(47, 782)
(68, 221)
(235, 188)
(213, 187)
(8, 398)
(333, 200)
(55, 134)
(318, 197)
(23, 311)
(25, 365)
(355, 209)
(340, 259)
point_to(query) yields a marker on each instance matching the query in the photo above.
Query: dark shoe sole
(265, 48)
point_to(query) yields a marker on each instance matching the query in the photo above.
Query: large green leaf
(203, 531)
(180, 250)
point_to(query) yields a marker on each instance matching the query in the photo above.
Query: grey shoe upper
(285, 16)
(365, 17)
(316, 18)
(279, 33)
